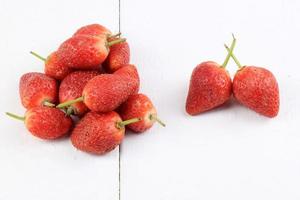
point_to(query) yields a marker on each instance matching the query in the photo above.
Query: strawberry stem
(70, 111)
(229, 53)
(38, 56)
(233, 57)
(48, 104)
(115, 35)
(154, 117)
(122, 124)
(109, 44)
(15, 116)
(67, 103)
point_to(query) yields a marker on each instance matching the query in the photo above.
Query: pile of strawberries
(89, 77)
(253, 87)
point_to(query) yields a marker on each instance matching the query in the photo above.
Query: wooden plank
(31, 168)
(231, 152)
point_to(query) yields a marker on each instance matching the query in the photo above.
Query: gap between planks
(120, 147)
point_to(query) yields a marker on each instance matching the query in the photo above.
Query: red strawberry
(95, 30)
(99, 133)
(130, 71)
(256, 88)
(106, 92)
(118, 56)
(37, 89)
(139, 106)
(45, 122)
(53, 66)
(210, 86)
(85, 52)
(71, 88)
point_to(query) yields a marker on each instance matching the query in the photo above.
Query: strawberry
(45, 122)
(139, 106)
(85, 52)
(256, 88)
(99, 133)
(71, 88)
(210, 86)
(118, 56)
(37, 89)
(130, 71)
(53, 67)
(95, 30)
(106, 92)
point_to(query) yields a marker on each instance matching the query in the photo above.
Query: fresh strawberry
(45, 122)
(106, 92)
(99, 133)
(210, 86)
(53, 66)
(256, 88)
(85, 52)
(95, 30)
(37, 89)
(130, 72)
(118, 56)
(139, 106)
(71, 88)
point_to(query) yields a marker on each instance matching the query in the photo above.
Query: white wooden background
(229, 153)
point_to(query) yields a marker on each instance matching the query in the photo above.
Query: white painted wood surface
(31, 168)
(230, 153)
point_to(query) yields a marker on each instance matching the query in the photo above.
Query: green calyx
(70, 111)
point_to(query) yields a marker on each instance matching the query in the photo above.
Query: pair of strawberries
(105, 102)
(211, 86)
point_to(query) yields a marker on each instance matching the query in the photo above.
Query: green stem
(38, 56)
(233, 57)
(15, 116)
(115, 35)
(48, 104)
(154, 117)
(109, 44)
(229, 53)
(67, 103)
(122, 124)
(70, 111)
